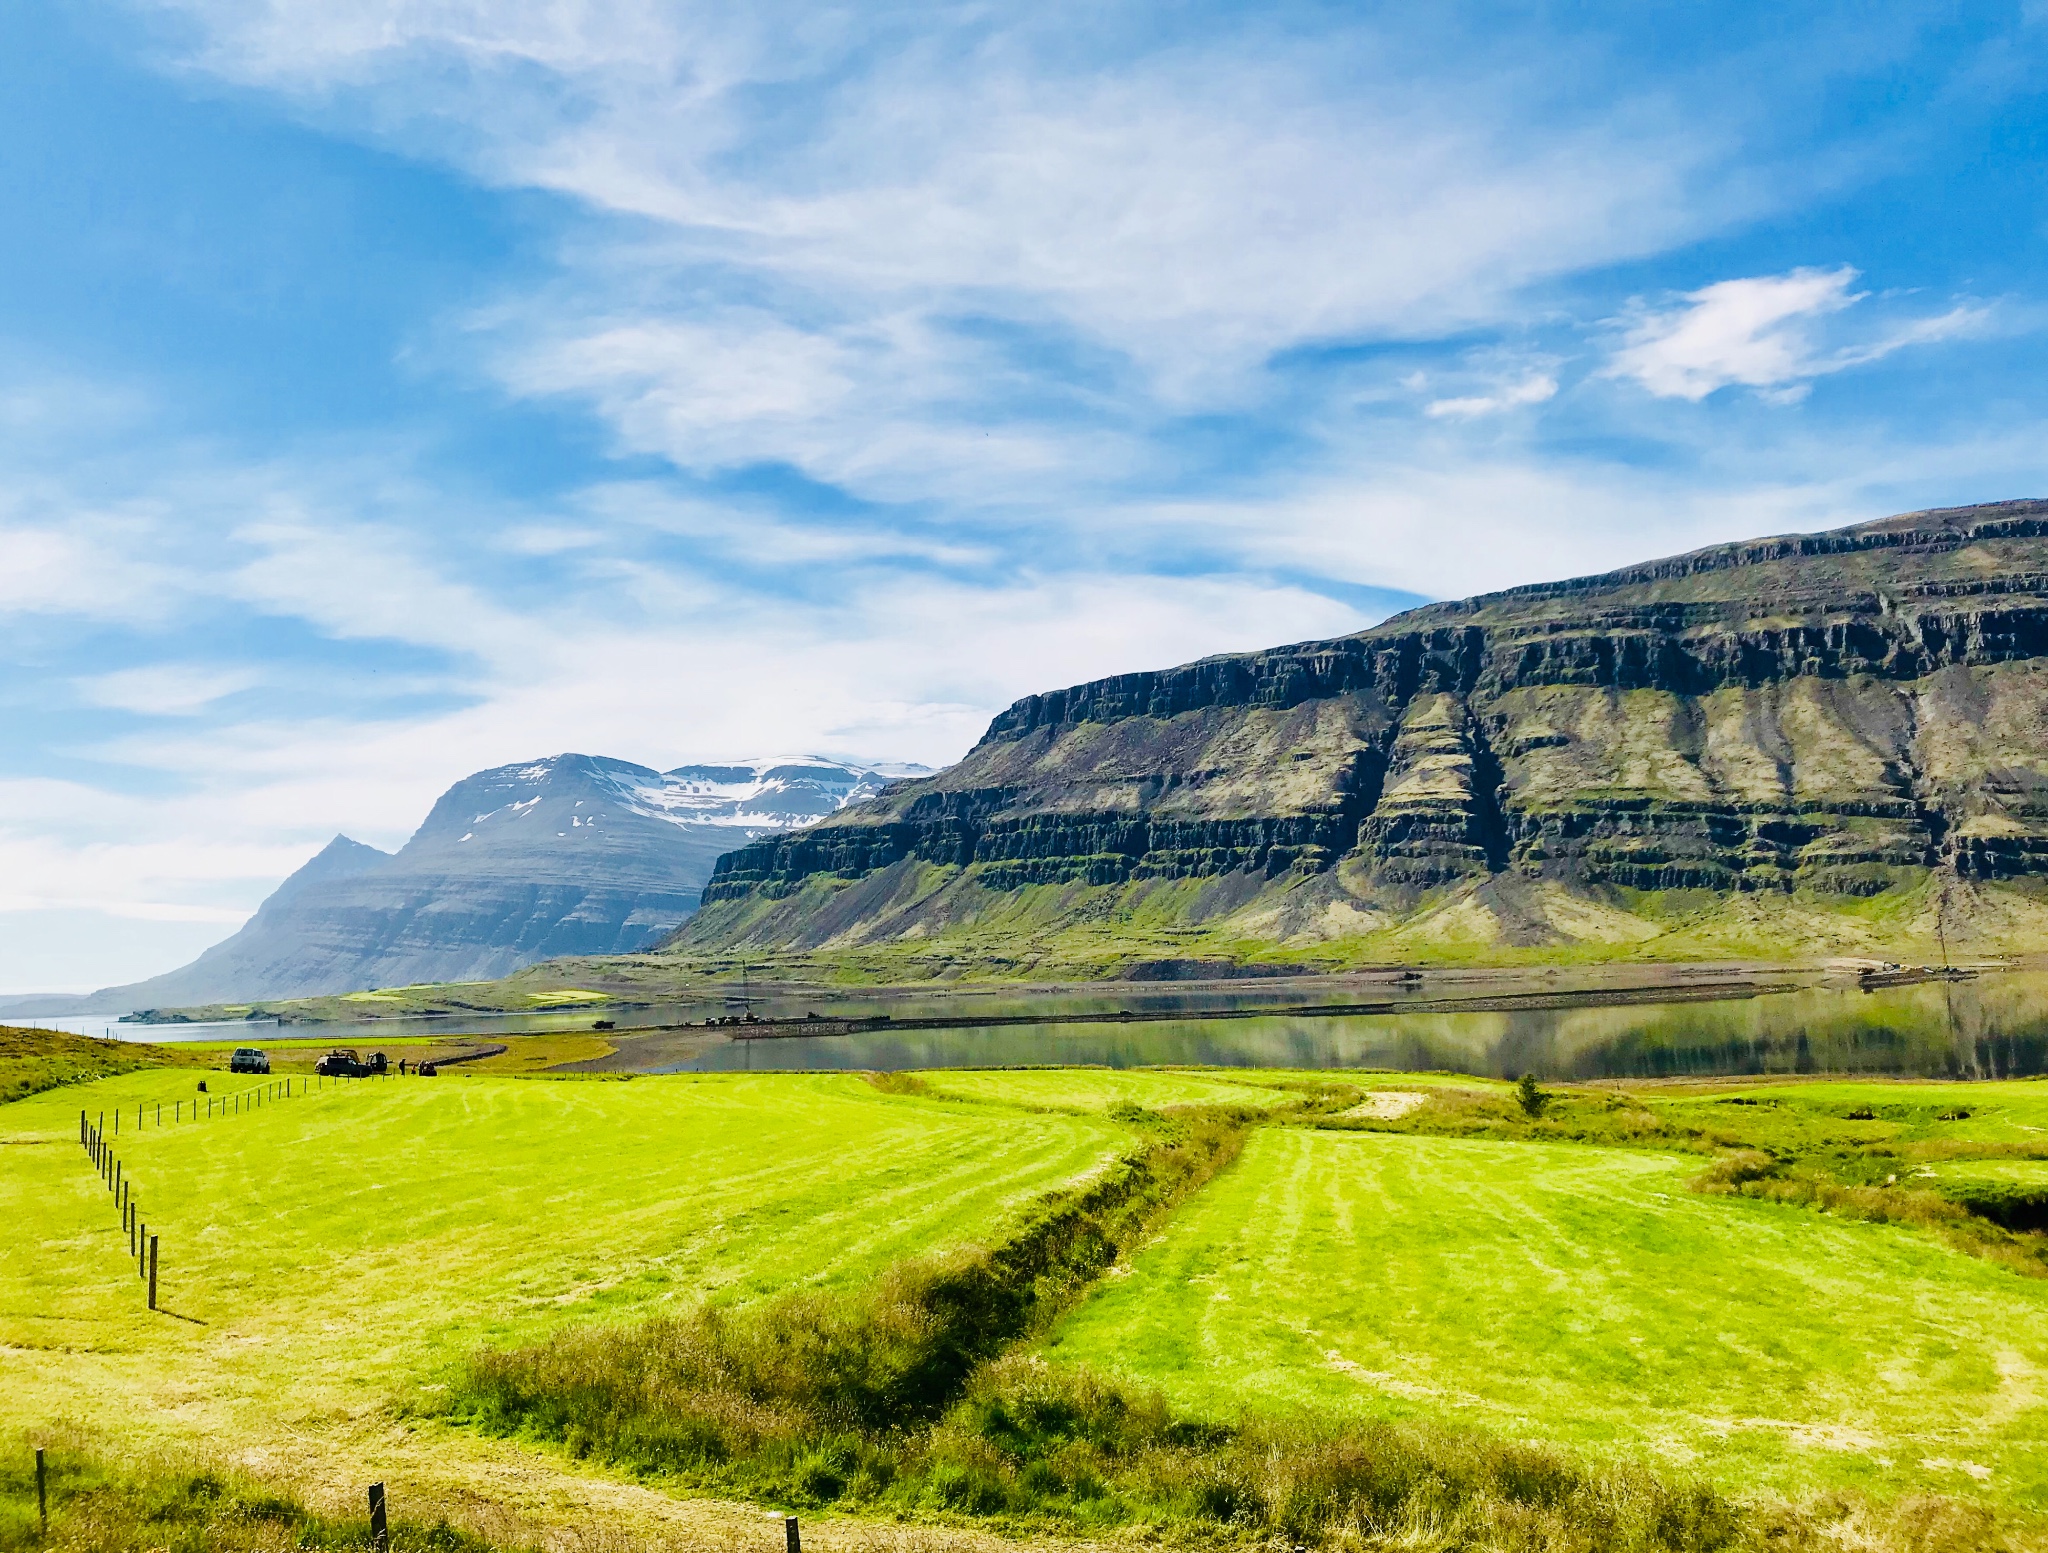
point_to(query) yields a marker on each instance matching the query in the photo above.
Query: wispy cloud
(1765, 332)
(849, 200)
(166, 689)
(1533, 389)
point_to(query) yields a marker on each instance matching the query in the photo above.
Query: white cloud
(1763, 332)
(76, 561)
(366, 581)
(166, 689)
(759, 536)
(1534, 389)
(883, 407)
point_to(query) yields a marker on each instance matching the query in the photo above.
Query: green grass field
(328, 1253)
(332, 1260)
(2010, 1111)
(1583, 1296)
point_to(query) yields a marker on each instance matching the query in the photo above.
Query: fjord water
(1993, 1027)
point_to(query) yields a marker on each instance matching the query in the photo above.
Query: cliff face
(1834, 717)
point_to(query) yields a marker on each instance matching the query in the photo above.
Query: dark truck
(343, 1062)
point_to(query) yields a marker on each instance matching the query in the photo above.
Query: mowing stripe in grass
(362, 1239)
(1582, 1296)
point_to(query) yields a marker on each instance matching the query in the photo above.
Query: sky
(393, 390)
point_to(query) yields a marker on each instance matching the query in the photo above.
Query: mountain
(570, 855)
(1819, 743)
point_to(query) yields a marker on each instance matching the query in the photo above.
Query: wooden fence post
(152, 1272)
(142, 1252)
(42, 1495)
(380, 1535)
(792, 1541)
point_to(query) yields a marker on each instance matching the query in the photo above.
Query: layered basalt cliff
(1839, 714)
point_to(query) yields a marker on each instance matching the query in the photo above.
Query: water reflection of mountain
(1995, 1027)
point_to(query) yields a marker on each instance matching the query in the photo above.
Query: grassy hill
(34, 1060)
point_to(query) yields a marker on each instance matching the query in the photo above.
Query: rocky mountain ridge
(570, 855)
(1833, 718)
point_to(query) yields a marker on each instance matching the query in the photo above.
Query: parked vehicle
(343, 1062)
(247, 1059)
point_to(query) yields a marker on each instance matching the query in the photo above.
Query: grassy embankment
(35, 1060)
(524, 1051)
(362, 1247)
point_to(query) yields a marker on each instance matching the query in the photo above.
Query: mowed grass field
(1583, 1296)
(326, 1254)
(332, 1254)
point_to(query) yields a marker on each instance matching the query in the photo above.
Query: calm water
(1994, 1027)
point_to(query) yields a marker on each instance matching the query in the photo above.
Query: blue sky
(393, 390)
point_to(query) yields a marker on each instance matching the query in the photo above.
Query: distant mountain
(571, 855)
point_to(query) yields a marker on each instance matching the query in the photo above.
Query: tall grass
(1037, 1445)
(170, 1507)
